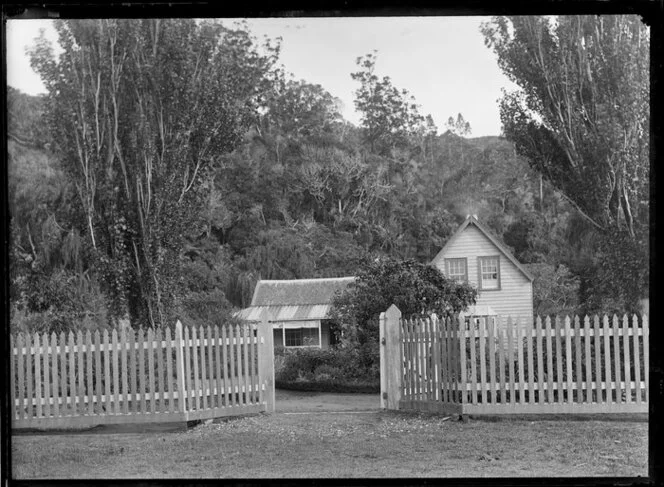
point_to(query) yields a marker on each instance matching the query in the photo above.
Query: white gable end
(514, 297)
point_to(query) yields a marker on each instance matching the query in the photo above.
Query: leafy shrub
(315, 364)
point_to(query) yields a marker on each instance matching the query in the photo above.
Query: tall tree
(139, 110)
(582, 118)
(581, 115)
(389, 115)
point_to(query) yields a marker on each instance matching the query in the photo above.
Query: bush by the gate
(330, 370)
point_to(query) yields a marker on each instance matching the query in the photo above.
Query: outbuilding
(298, 309)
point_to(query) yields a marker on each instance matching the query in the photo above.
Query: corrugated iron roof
(303, 312)
(297, 292)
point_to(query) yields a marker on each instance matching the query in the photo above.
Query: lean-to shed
(298, 309)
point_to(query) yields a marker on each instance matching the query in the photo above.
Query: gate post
(266, 361)
(390, 358)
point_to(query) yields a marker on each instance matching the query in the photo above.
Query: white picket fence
(61, 381)
(505, 366)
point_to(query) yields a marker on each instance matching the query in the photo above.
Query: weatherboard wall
(515, 296)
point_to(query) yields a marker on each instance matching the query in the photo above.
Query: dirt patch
(300, 401)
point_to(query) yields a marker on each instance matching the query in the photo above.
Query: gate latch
(382, 341)
(384, 395)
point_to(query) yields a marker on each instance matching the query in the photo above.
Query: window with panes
(489, 272)
(301, 337)
(457, 269)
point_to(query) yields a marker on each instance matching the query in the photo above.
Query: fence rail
(506, 366)
(158, 375)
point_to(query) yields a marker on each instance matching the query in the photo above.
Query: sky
(441, 61)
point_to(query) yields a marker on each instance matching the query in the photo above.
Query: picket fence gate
(492, 366)
(84, 380)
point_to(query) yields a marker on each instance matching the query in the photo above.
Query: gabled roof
(294, 300)
(472, 220)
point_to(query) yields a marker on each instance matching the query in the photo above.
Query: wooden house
(476, 256)
(298, 309)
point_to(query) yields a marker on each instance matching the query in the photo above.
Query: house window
(456, 269)
(301, 337)
(489, 271)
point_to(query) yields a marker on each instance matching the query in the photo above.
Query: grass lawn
(342, 444)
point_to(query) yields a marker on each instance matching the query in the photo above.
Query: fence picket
(20, 365)
(559, 360)
(89, 375)
(616, 359)
(473, 362)
(626, 360)
(80, 371)
(420, 356)
(531, 364)
(437, 360)
(453, 349)
(29, 411)
(98, 370)
(492, 358)
(188, 404)
(540, 361)
(502, 346)
(169, 370)
(151, 370)
(588, 363)
(203, 369)
(224, 364)
(159, 351)
(462, 361)
(107, 372)
(142, 389)
(55, 375)
(637, 358)
(519, 331)
(116, 372)
(247, 375)
(38, 381)
(510, 359)
(125, 381)
(238, 356)
(133, 393)
(607, 361)
(180, 367)
(414, 359)
(569, 379)
(430, 361)
(217, 357)
(63, 374)
(598, 362)
(482, 337)
(195, 358)
(46, 377)
(578, 363)
(72, 374)
(424, 334)
(210, 367)
(231, 356)
(549, 360)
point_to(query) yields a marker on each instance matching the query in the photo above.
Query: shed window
(489, 272)
(456, 269)
(301, 337)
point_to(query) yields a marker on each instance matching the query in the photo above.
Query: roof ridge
(318, 279)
